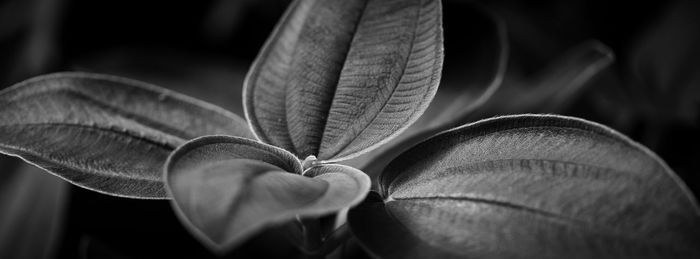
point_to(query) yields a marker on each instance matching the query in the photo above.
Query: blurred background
(631, 65)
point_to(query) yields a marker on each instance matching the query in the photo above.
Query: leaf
(529, 186)
(33, 206)
(104, 133)
(338, 78)
(473, 73)
(226, 189)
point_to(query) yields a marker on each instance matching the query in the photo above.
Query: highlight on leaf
(226, 189)
(338, 78)
(104, 133)
(472, 74)
(529, 186)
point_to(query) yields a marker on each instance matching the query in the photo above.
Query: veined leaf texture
(338, 78)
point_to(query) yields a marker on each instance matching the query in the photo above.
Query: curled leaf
(338, 78)
(104, 133)
(529, 186)
(226, 189)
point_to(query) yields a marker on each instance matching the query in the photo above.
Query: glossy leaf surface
(226, 189)
(104, 133)
(337, 78)
(529, 186)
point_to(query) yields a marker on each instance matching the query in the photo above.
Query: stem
(312, 237)
(314, 246)
(334, 240)
(294, 233)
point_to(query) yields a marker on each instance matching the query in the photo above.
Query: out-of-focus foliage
(33, 206)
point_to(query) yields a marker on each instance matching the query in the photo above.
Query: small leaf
(338, 78)
(529, 186)
(104, 133)
(226, 189)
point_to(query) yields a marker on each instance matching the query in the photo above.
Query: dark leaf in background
(338, 78)
(529, 186)
(226, 189)
(33, 206)
(13, 17)
(104, 133)
(555, 87)
(664, 77)
(30, 31)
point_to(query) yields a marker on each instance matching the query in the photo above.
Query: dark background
(203, 48)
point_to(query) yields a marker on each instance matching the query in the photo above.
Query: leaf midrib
(113, 129)
(607, 135)
(143, 120)
(337, 79)
(403, 71)
(76, 166)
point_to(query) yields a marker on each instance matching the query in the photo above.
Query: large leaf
(226, 189)
(104, 133)
(529, 186)
(337, 78)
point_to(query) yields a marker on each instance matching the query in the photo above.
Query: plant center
(309, 161)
